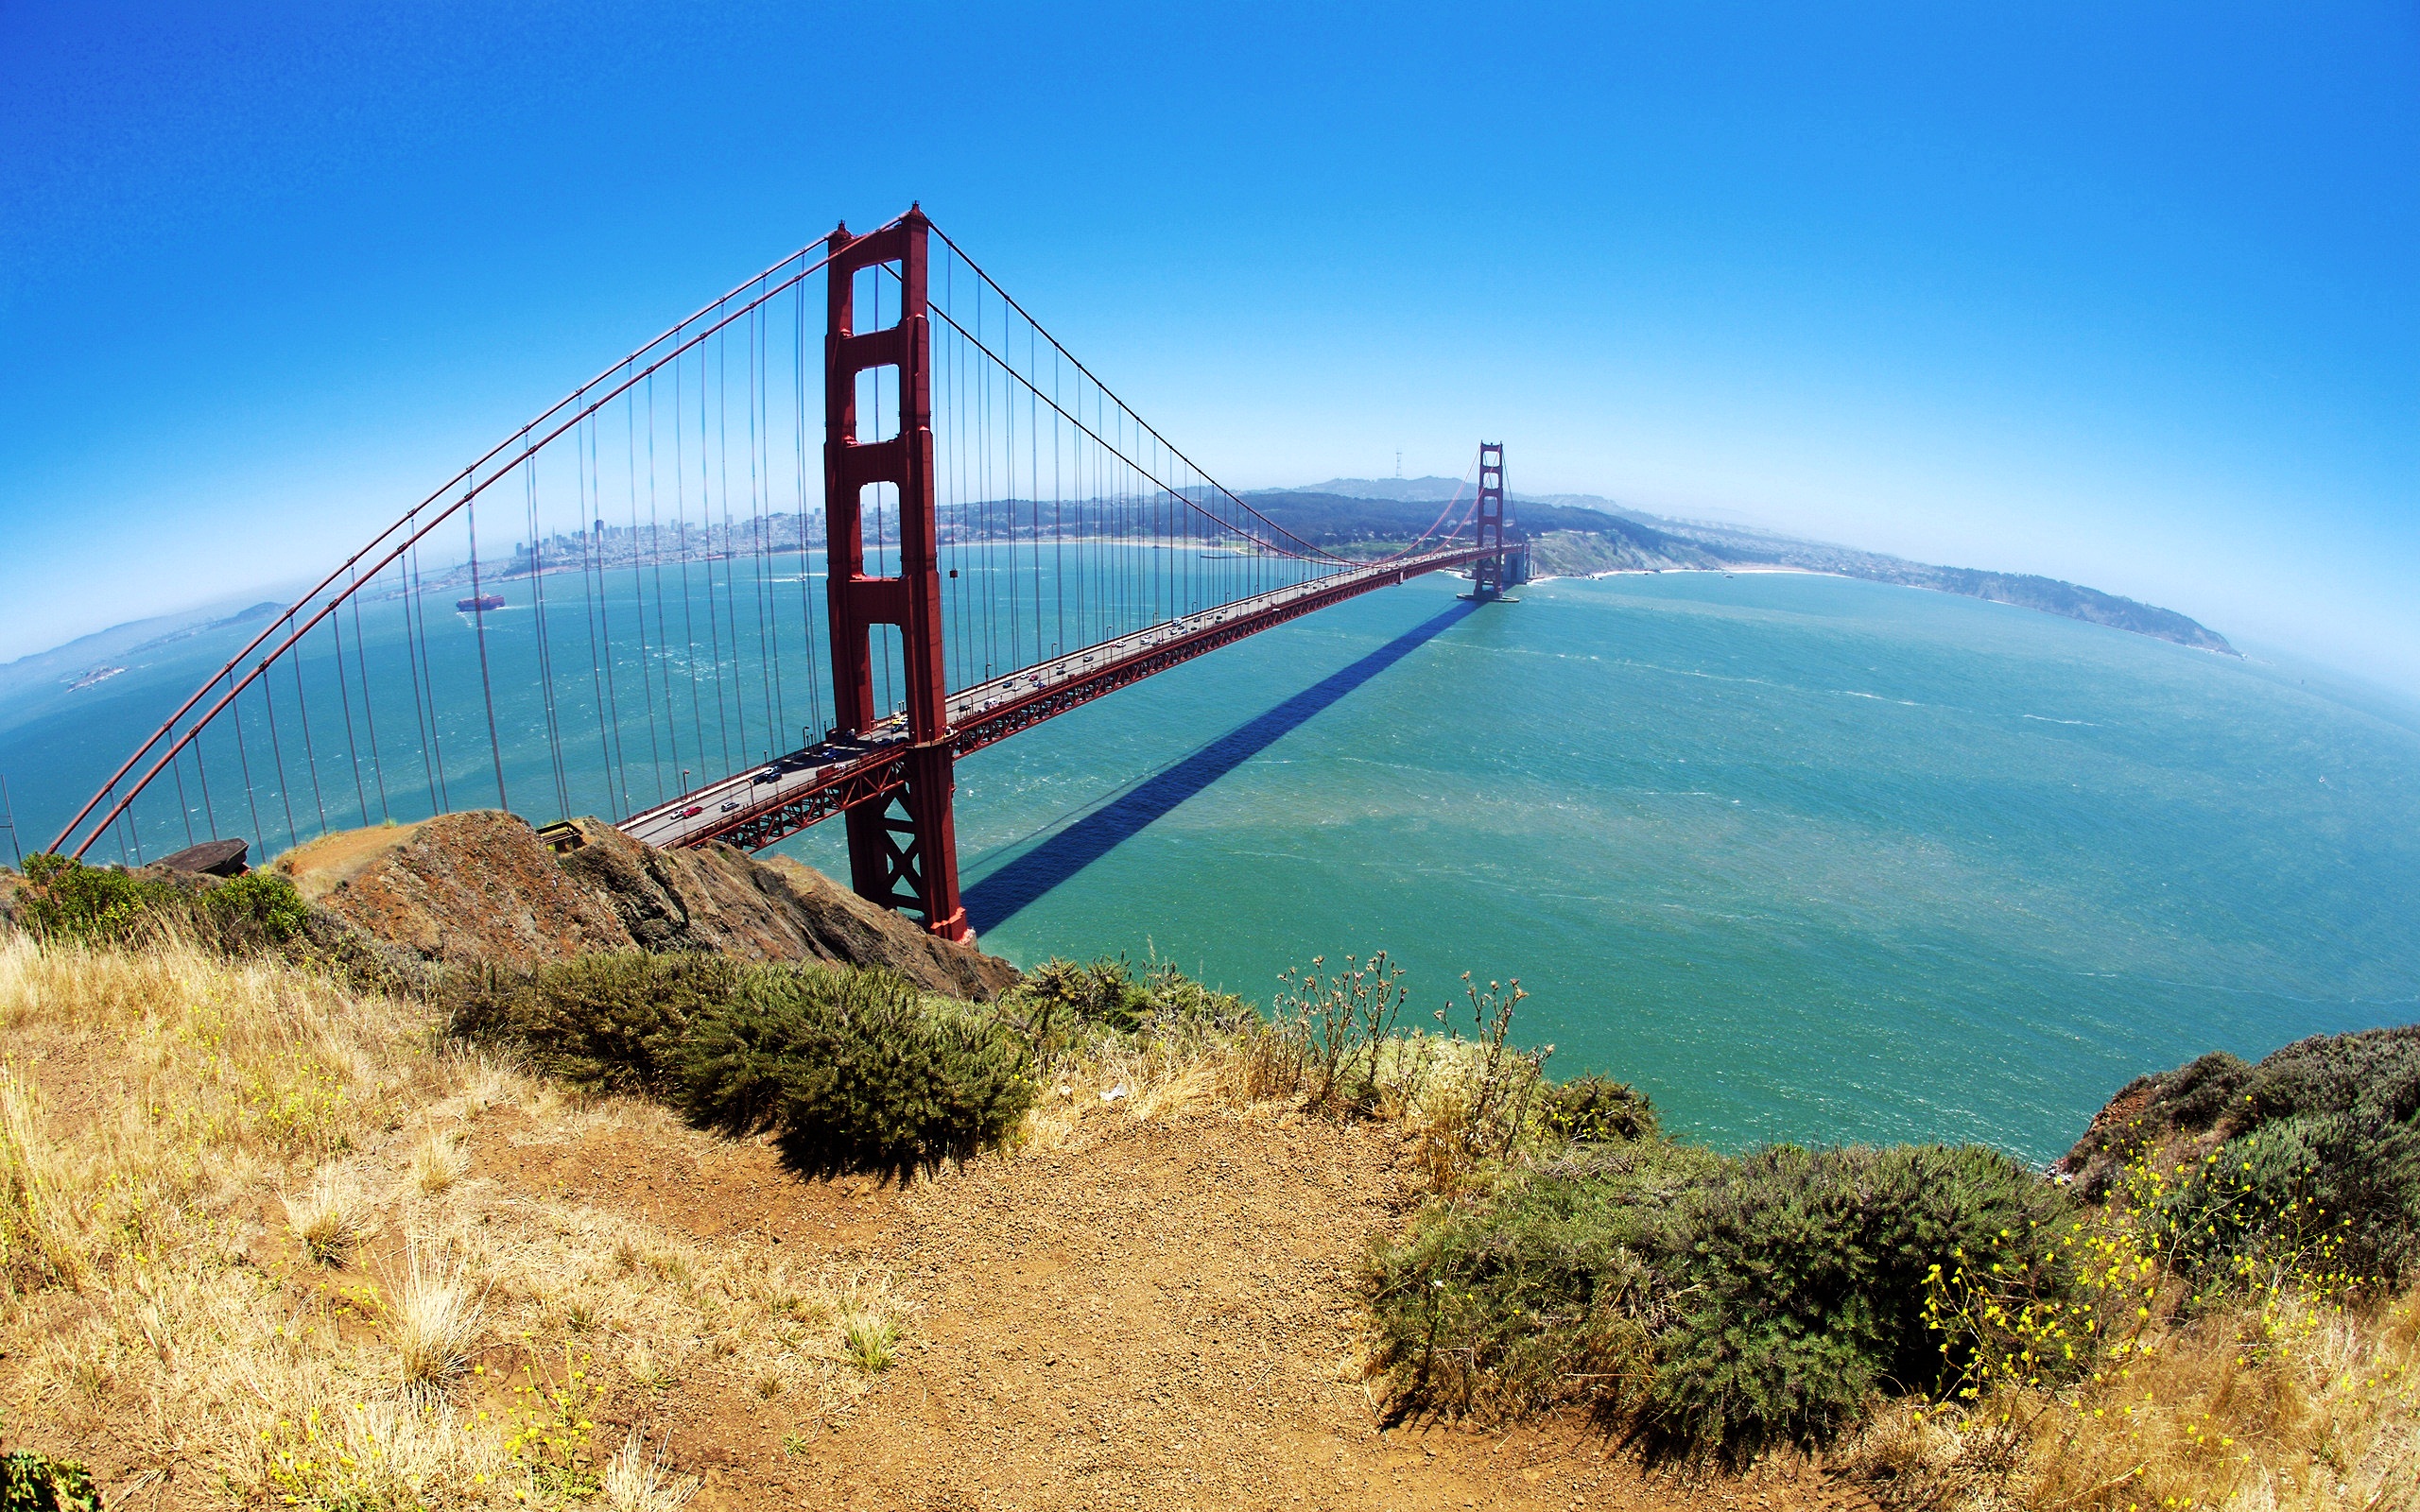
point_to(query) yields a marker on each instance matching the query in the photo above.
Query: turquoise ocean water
(1807, 858)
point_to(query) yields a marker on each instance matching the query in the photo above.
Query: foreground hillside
(272, 1242)
(291, 1216)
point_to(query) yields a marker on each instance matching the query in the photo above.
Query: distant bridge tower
(1491, 573)
(903, 846)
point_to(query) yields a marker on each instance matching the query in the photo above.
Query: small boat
(481, 604)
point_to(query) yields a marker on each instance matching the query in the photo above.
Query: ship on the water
(482, 603)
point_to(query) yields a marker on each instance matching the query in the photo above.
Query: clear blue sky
(2123, 294)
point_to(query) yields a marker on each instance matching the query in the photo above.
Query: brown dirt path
(1158, 1315)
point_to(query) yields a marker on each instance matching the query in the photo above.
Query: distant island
(1577, 534)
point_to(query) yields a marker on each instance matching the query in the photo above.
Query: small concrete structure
(212, 858)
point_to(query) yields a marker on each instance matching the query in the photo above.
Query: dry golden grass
(638, 1481)
(2291, 1405)
(245, 1256)
(435, 1320)
(437, 1162)
(333, 1217)
(1429, 1089)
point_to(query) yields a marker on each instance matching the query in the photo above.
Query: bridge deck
(755, 808)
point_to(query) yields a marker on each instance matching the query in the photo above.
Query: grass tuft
(437, 1317)
(439, 1162)
(871, 1341)
(333, 1218)
(637, 1480)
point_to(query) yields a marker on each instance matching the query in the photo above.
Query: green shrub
(1103, 995)
(1800, 1284)
(2318, 1180)
(1731, 1302)
(1592, 1110)
(1062, 1005)
(2330, 1199)
(108, 906)
(608, 1023)
(31, 1482)
(259, 908)
(95, 905)
(2194, 1097)
(1547, 1294)
(2374, 1075)
(851, 1072)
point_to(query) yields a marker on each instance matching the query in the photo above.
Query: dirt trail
(1160, 1314)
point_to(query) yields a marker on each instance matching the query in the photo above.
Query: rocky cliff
(482, 887)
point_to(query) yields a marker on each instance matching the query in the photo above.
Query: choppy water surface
(1807, 858)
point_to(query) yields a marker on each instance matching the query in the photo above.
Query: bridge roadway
(753, 808)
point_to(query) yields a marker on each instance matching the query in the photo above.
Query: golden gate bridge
(1000, 538)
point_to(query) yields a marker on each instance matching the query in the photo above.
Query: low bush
(1593, 1109)
(2328, 1199)
(1799, 1278)
(2316, 1175)
(108, 906)
(608, 1023)
(96, 906)
(1548, 1292)
(1731, 1302)
(850, 1071)
(2373, 1075)
(256, 910)
(1062, 1005)
(1103, 995)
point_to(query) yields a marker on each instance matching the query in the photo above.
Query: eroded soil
(1156, 1315)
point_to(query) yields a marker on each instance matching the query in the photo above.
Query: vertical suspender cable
(176, 769)
(369, 712)
(706, 511)
(310, 756)
(638, 577)
(344, 696)
(806, 561)
(479, 632)
(681, 545)
(277, 755)
(407, 575)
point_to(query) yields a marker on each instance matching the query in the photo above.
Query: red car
(693, 811)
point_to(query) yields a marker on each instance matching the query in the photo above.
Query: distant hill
(1572, 535)
(63, 664)
(1410, 490)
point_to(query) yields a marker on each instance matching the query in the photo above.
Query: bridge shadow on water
(1010, 890)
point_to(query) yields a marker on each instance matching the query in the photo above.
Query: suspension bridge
(721, 627)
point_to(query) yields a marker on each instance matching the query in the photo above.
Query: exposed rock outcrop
(464, 889)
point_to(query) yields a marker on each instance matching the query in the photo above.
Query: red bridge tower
(903, 846)
(1491, 573)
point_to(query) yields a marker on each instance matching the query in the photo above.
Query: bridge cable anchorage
(1000, 538)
